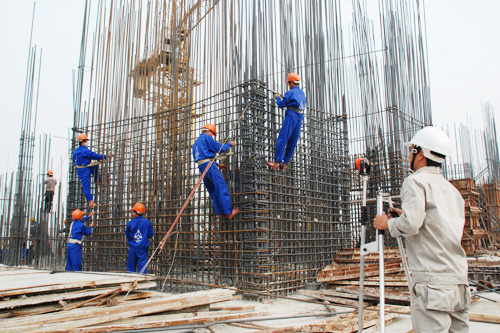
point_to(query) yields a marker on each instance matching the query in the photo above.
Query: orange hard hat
(139, 208)
(82, 137)
(292, 77)
(50, 173)
(211, 127)
(77, 214)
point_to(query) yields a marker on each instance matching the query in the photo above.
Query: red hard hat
(82, 137)
(139, 208)
(211, 127)
(77, 214)
(292, 77)
(50, 173)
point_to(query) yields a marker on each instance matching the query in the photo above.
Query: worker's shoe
(92, 204)
(234, 212)
(283, 166)
(273, 165)
(220, 216)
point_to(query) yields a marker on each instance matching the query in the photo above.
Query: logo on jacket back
(138, 236)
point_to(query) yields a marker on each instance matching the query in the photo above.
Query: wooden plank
(30, 311)
(34, 300)
(232, 308)
(484, 318)
(391, 308)
(342, 272)
(336, 293)
(188, 320)
(71, 285)
(91, 316)
(389, 295)
(371, 283)
(333, 299)
(347, 323)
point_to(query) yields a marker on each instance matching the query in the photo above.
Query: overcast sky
(463, 44)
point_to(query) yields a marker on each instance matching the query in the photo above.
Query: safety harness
(88, 165)
(294, 109)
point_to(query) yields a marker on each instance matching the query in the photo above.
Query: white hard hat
(432, 139)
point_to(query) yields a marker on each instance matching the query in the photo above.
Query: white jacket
(432, 225)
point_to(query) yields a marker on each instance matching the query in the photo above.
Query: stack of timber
(473, 235)
(341, 279)
(44, 301)
(340, 282)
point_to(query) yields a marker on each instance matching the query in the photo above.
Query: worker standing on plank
(295, 103)
(204, 149)
(432, 222)
(76, 233)
(82, 157)
(50, 186)
(138, 232)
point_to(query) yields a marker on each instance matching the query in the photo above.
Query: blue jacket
(294, 98)
(78, 229)
(206, 147)
(82, 156)
(138, 232)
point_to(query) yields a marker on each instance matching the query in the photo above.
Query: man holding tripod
(432, 221)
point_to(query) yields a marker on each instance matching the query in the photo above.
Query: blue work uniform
(74, 255)
(138, 233)
(205, 147)
(295, 102)
(81, 157)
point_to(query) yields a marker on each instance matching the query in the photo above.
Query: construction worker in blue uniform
(295, 103)
(204, 150)
(82, 157)
(76, 233)
(138, 232)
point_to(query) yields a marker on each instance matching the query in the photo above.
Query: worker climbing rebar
(82, 157)
(295, 103)
(204, 149)
(76, 233)
(50, 186)
(432, 221)
(138, 232)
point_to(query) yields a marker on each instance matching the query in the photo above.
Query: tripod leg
(361, 280)
(405, 263)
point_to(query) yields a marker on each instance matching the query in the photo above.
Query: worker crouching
(295, 103)
(76, 233)
(204, 150)
(138, 232)
(82, 157)
(432, 221)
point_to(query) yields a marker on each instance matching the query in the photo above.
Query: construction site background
(158, 73)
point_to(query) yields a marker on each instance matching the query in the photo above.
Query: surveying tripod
(363, 165)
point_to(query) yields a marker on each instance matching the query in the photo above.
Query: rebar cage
(291, 222)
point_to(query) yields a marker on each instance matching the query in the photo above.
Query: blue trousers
(217, 188)
(137, 259)
(74, 257)
(288, 137)
(84, 174)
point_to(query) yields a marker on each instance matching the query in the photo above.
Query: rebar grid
(290, 223)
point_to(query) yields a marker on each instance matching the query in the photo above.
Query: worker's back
(434, 250)
(138, 232)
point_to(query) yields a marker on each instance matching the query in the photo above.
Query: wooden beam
(91, 316)
(484, 318)
(66, 296)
